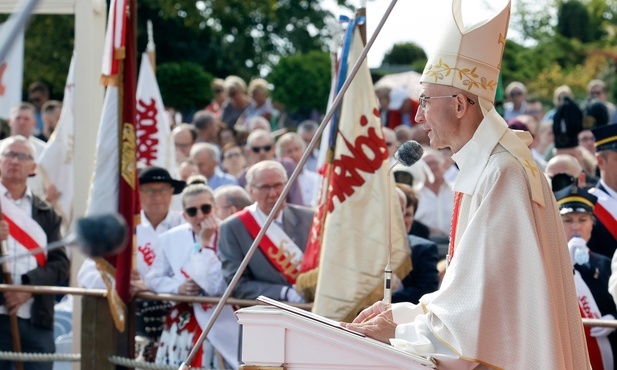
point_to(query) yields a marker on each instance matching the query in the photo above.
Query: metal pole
(13, 25)
(337, 101)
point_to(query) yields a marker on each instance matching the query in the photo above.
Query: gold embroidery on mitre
(129, 150)
(468, 76)
(285, 259)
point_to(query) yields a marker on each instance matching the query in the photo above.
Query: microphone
(407, 154)
(97, 236)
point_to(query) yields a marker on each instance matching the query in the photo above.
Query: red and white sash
(24, 230)
(600, 351)
(276, 245)
(606, 211)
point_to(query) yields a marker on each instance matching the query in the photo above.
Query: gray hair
(195, 185)
(256, 135)
(263, 166)
(286, 139)
(212, 149)
(203, 119)
(307, 126)
(17, 139)
(22, 106)
(234, 195)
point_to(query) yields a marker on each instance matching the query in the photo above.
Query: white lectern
(273, 338)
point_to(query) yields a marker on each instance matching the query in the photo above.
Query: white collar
(5, 192)
(611, 192)
(473, 157)
(264, 216)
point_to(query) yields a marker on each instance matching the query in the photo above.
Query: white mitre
(469, 59)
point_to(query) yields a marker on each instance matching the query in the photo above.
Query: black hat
(575, 199)
(567, 123)
(606, 137)
(158, 174)
(595, 113)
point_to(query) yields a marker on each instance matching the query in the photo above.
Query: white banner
(104, 186)
(355, 234)
(56, 160)
(11, 77)
(154, 144)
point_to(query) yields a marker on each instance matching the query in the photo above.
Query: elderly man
(229, 199)
(207, 126)
(156, 188)
(260, 147)
(184, 136)
(274, 267)
(507, 300)
(207, 157)
(604, 236)
(33, 223)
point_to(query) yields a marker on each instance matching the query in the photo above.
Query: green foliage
(234, 36)
(302, 81)
(47, 51)
(573, 21)
(405, 54)
(184, 85)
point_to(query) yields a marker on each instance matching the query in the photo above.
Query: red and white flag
(11, 76)
(354, 236)
(114, 185)
(56, 160)
(155, 146)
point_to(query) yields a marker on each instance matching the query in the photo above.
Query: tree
(573, 21)
(237, 37)
(302, 82)
(184, 85)
(405, 54)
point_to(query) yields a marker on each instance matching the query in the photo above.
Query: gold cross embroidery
(502, 41)
(533, 169)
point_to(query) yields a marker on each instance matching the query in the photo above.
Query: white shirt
(309, 185)
(23, 265)
(435, 210)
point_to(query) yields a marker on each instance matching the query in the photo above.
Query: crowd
(234, 161)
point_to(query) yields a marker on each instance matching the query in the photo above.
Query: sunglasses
(257, 149)
(205, 209)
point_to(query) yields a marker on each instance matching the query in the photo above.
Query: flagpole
(277, 206)
(151, 47)
(8, 279)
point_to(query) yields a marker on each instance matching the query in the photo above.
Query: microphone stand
(71, 239)
(277, 206)
(387, 283)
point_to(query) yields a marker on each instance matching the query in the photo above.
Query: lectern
(273, 338)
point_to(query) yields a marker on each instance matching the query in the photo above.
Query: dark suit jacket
(56, 269)
(596, 274)
(260, 277)
(601, 239)
(424, 277)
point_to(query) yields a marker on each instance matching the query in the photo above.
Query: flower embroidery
(469, 77)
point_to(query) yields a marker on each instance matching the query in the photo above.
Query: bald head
(563, 163)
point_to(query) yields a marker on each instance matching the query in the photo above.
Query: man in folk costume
(187, 264)
(31, 223)
(274, 267)
(156, 188)
(591, 274)
(507, 300)
(604, 236)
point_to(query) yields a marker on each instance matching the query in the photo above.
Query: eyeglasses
(266, 188)
(218, 91)
(205, 209)
(233, 155)
(516, 93)
(22, 157)
(257, 149)
(423, 99)
(156, 191)
(183, 145)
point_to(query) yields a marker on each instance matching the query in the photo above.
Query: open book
(306, 314)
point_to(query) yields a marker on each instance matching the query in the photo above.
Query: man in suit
(35, 312)
(274, 267)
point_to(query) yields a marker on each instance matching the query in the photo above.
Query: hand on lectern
(375, 322)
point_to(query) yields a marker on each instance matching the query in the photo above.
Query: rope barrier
(123, 361)
(40, 357)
